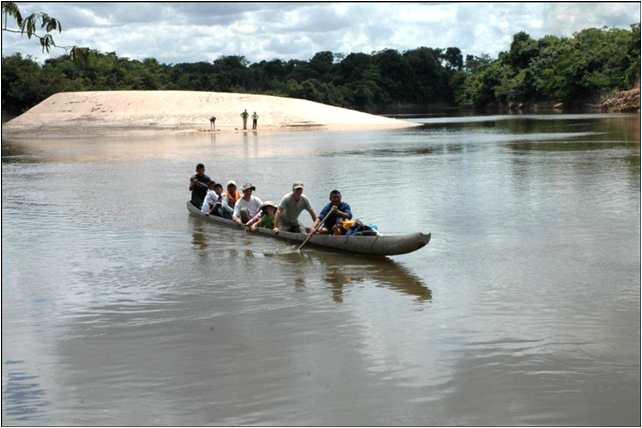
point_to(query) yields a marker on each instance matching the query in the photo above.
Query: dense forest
(591, 63)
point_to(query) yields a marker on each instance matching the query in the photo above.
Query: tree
(474, 63)
(588, 64)
(321, 62)
(453, 58)
(522, 50)
(633, 72)
(28, 25)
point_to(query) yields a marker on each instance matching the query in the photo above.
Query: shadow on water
(199, 238)
(346, 270)
(623, 127)
(338, 270)
(22, 395)
(13, 152)
(341, 270)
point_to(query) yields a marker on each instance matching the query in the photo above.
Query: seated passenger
(229, 200)
(246, 207)
(213, 199)
(264, 218)
(341, 212)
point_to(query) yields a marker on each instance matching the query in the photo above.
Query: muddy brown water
(118, 308)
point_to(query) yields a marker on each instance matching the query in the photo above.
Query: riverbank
(623, 102)
(98, 112)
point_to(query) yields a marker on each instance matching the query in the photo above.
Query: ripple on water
(523, 310)
(24, 399)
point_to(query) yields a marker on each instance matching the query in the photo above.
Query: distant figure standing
(255, 119)
(213, 123)
(245, 115)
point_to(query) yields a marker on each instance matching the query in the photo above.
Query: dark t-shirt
(199, 192)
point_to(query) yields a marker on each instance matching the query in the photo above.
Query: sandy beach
(96, 112)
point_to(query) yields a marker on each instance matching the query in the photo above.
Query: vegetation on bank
(571, 70)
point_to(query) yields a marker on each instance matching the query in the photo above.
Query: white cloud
(187, 32)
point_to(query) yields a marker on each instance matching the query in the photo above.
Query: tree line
(568, 69)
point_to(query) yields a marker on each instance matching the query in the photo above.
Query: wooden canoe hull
(386, 245)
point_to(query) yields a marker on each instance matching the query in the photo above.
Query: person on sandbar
(244, 116)
(246, 207)
(213, 123)
(255, 120)
(291, 205)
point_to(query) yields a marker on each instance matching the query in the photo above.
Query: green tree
(522, 50)
(633, 71)
(29, 25)
(322, 62)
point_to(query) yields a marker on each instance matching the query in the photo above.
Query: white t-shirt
(253, 206)
(210, 199)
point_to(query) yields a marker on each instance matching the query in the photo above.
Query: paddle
(317, 228)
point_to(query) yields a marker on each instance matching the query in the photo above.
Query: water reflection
(536, 366)
(23, 396)
(564, 146)
(343, 270)
(166, 321)
(199, 238)
(14, 152)
(340, 271)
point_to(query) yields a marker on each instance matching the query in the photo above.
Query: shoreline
(125, 131)
(170, 112)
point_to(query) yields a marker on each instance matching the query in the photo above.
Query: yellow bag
(347, 224)
(342, 227)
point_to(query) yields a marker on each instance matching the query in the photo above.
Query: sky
(190, 32)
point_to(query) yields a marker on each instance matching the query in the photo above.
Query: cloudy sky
(188, 32)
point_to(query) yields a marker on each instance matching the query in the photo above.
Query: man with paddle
(333, 213)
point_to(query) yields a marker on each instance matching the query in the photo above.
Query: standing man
(341, 212)
(198, 186)
(291, 205)
(255, 120)
(246, 207)
(213, 123)
(244, 115)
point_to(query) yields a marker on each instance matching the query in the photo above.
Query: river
(118, 308)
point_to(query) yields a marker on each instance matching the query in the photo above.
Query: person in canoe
(246, 207)
(213, 200)
(264, 218)
(229, 200)
(291, 205)
(341, 212)
(198, 185)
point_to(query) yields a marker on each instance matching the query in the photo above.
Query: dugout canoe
(381, 245)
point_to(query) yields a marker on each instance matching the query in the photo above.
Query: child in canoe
(264, 218)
